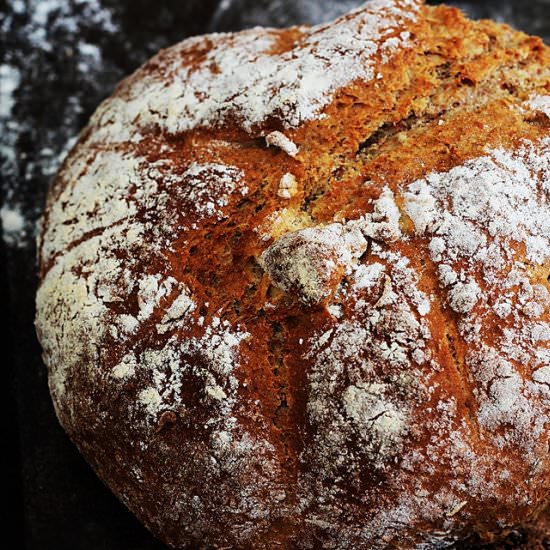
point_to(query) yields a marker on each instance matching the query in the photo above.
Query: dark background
(58, 60)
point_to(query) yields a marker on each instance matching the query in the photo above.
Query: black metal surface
(58, 59)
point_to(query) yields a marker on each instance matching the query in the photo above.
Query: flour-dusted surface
(385, 342)
(236, 80)
(497, 204)
(267, 322)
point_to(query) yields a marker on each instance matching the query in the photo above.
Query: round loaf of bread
(294, 285)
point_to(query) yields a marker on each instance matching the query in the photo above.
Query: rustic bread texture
(294, 285)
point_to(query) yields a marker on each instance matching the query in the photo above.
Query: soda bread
(294, 285)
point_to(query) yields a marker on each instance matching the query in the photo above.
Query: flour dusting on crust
(479, 218)
(374, 376)
(255, 84)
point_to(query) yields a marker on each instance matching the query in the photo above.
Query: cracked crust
(294, 285)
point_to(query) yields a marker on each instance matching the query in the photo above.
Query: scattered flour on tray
(14, 228)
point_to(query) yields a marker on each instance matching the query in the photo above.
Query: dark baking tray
(63, 57)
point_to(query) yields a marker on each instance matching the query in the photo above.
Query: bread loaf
(294, 285)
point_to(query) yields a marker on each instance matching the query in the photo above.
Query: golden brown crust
(294, 284)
